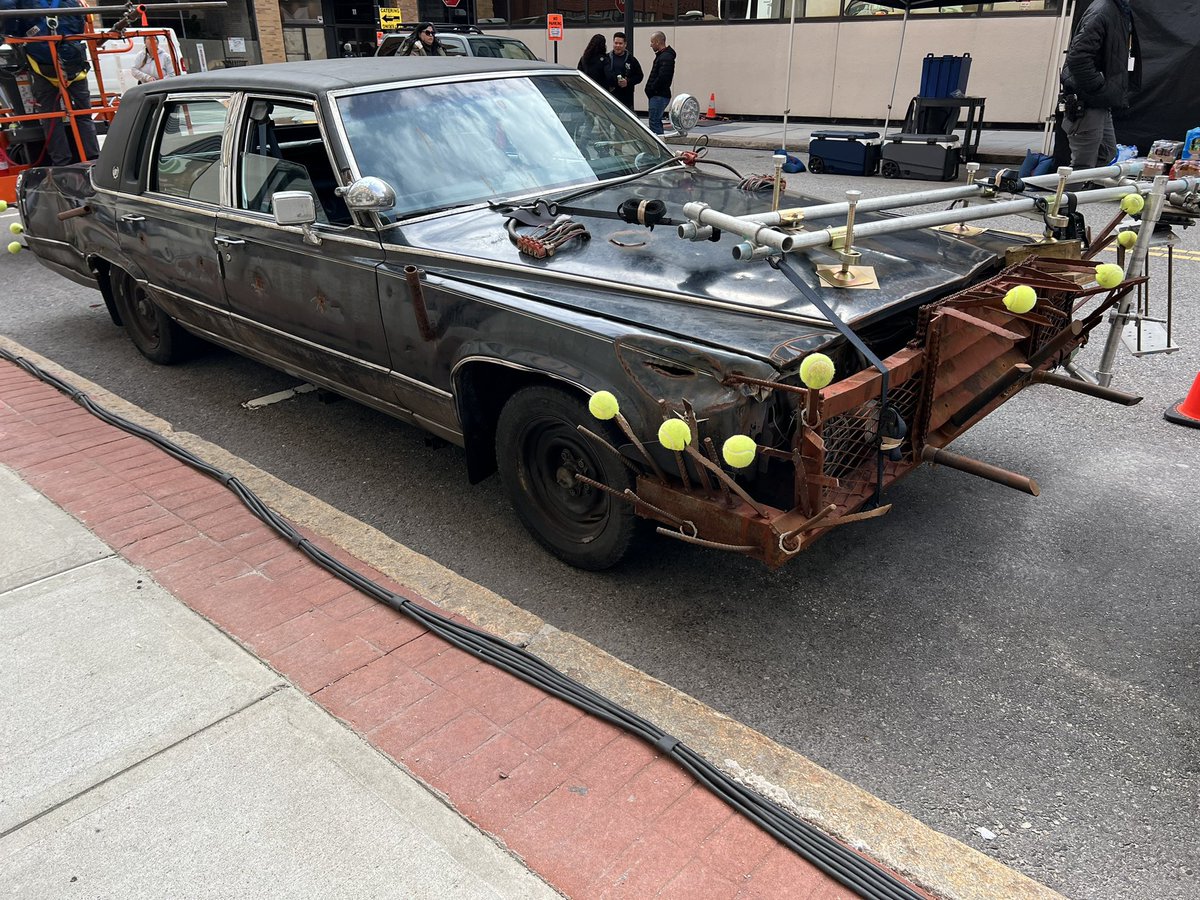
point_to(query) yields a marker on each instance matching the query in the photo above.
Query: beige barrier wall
(842, 69)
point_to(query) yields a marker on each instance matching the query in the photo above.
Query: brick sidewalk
(592, 810)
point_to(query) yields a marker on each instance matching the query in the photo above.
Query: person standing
(623, 71)
(1103, 68)
(47, 88)
(593, 61)
(658, 83)
(423, 42)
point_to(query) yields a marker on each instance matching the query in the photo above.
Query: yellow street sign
(391, 18)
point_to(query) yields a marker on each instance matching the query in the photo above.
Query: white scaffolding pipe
(935, 195)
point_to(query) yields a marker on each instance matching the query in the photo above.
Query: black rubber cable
(861, 875)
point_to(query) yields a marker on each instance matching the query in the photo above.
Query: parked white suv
(119, 58)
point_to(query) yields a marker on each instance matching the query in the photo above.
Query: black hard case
(844, 152)
(932, 157)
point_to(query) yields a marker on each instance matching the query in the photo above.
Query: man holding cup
(622, 71)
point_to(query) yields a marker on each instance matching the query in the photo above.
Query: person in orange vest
(46, 86)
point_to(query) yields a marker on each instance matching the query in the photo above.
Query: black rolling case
(844, 152)
(933, 157)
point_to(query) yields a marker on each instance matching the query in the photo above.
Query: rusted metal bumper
(968, 356)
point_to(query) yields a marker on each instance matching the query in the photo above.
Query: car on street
(493, 250)
(463, 40)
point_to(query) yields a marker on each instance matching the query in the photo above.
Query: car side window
(187, 161)
(281, 148)
(454, 46)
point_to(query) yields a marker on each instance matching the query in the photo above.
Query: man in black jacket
(1103, 68)
(658, 84)
(622, 71)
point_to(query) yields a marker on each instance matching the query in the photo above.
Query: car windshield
(502, 48)
(464, 142)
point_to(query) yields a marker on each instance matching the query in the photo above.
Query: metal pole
(787, 91)
(1137, 263)
(114, 10)
(896, 77)
(765, 236)
(1049, 87)
(936, 195)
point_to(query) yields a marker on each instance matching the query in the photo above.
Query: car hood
(695, 290)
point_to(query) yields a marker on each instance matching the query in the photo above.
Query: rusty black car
(491, 250)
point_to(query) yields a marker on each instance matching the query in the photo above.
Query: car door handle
(130, 217)
(228, 242)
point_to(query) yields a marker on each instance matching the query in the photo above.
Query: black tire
(153, 332)
(816, 165)
(538, 451)
(890, 169)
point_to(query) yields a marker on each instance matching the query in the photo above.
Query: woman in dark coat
(423, 42)
(594, 61)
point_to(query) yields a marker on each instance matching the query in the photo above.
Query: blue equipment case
(844, 152)
(933, 157)
(945, 76)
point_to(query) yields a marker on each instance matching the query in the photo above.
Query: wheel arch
(102, 267)
(482, 385)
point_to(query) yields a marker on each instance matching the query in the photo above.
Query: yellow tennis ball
(1132, 204)
(1020, 299)
(14, 247)
(1127, 239)
(739, 451)
(674, 434)
(1109, 275)
(3, 206)
(603, 405)
(16, 227)
(816, 371)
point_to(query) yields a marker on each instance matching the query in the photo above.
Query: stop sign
(451, 3)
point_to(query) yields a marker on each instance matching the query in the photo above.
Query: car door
(167, 230)
(303, 299)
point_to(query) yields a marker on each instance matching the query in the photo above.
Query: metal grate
(850, 438)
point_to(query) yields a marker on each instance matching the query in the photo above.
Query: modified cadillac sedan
(497, 252)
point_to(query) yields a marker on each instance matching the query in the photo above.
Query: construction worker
(46, 18)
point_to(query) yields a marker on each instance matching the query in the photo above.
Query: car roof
(318, 76)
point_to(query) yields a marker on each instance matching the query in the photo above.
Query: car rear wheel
(539, 450)
(816, 165)
(152, 331)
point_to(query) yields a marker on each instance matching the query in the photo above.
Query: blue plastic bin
(945, 76)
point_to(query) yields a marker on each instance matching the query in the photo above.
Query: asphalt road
(978, 658)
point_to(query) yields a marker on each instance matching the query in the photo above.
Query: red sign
(451, 3)
(554, 27)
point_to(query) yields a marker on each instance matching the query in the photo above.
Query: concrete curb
(934, 861)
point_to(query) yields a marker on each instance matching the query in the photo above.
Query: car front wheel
(152, 331)
(539, 451)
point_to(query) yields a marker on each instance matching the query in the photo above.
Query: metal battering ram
(124, 8)
(872, 426)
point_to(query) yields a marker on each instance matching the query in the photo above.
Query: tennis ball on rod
(739, 451)
(816, 371)
(1127, 239)
(1109, 275)
(1020, 299)
(3, 206)
(14, 247)
(603, 405)
(674, 434)
(16, 227)
(1132, 204)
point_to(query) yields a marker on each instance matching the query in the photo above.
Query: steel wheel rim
(551, 454)
(143, 317)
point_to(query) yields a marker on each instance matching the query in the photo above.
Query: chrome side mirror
(683, 112)
(369, 194)
(296, 208)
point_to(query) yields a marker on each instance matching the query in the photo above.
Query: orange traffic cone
(1187, 410)
(712, 106)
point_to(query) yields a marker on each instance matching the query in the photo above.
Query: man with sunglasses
(423, 42)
